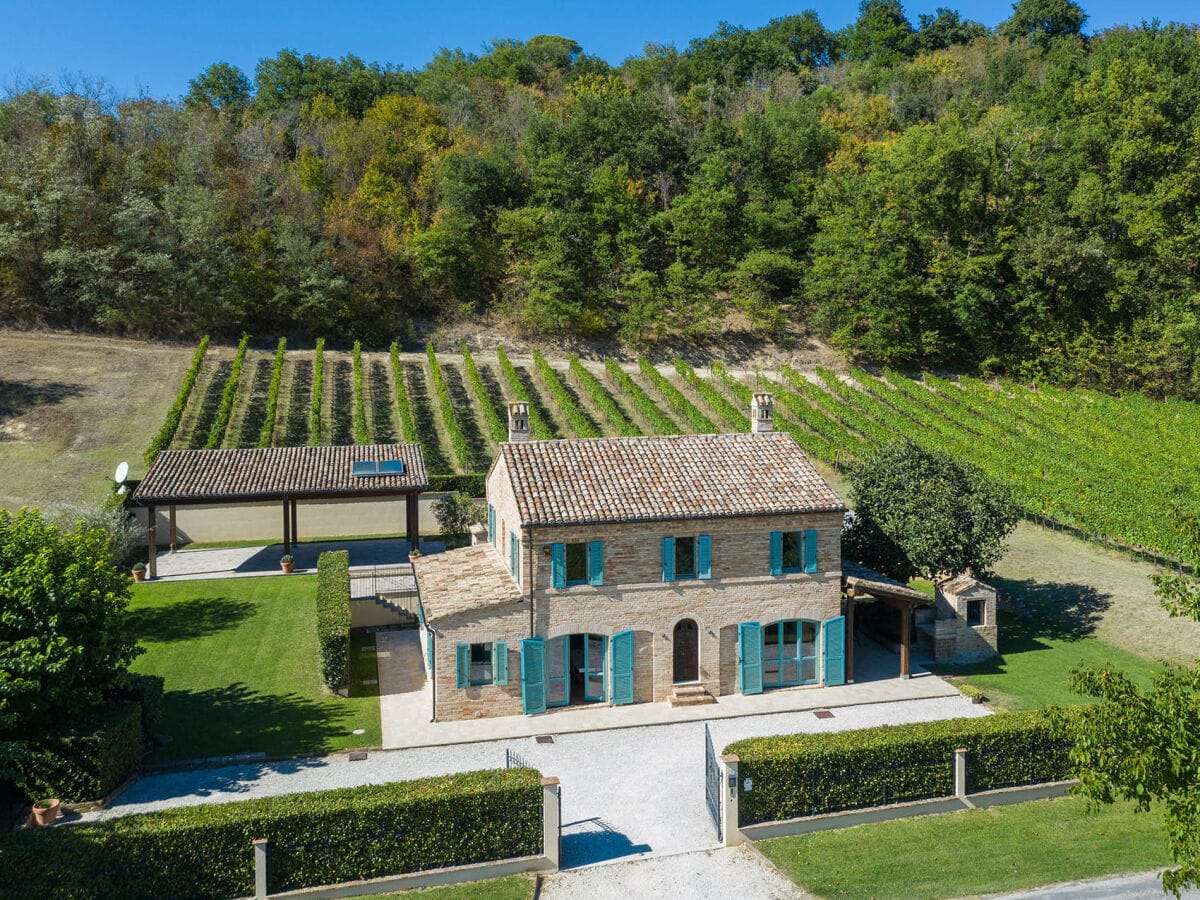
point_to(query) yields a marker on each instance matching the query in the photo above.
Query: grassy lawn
(515, 887)
(974, 852)
(239, 656)
(1035, 659)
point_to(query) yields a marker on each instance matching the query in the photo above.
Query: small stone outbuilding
(962, 628)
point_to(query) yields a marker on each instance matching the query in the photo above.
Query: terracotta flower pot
(138, 574)
(287, 567)
(46, 811)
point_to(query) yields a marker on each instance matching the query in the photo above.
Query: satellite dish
(122, 473)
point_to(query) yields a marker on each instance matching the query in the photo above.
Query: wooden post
(905, 639)
(412, 512)
(171, 527)
(152, 542)
(287, 528)
(295, 523)
(850, 638)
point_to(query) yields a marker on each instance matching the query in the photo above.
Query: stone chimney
(518, 422)
(762, 413)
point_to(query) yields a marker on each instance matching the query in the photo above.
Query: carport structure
(283, 474)
(860, 582)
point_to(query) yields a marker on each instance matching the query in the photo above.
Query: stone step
(692, 700)
(685, 690)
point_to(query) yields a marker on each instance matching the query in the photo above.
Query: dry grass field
(73, 406)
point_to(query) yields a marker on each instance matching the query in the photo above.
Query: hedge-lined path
(234, 562)
(633, 792)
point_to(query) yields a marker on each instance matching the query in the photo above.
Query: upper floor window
(687, 557)
(793, 551)
(577, 563)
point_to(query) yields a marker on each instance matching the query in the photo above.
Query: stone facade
(955, 639)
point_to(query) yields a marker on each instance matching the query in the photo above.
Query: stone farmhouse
(623, 570)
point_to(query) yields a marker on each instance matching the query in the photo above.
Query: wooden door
(687, 652)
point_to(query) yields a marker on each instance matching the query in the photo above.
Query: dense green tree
(945, 28)
(882, 33)
(1042, 21)
(221, 87)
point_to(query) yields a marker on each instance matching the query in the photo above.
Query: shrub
(166, 434)
(473, 484)
(659, 421)
(333, 615)
(579, 420)
(408, 425)
(318, 393)
(608, 406)
(361, 435)
(216, 434)
(88, 759)
(808, 774)
(325, 837)
(147, 690)
(267, 434)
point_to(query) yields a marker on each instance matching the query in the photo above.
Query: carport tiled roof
(197, 476)
(698, 476)
(460, 581)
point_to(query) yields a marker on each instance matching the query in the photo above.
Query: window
(793, 551)
(577, 564)
(685, 557)
(792, 545)
(481, 664)
(974, 612)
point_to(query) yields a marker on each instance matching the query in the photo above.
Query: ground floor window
(481, 664)
(789, 655)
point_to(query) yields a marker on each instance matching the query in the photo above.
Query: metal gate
(714, 793)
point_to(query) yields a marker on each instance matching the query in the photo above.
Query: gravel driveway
(633, 791)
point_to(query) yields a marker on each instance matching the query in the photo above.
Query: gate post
(960, 773)
(552, 822)
(729, 809)
(260, 867)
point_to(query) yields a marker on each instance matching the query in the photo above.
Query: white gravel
(631, 791)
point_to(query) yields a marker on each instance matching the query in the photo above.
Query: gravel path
(630, 792)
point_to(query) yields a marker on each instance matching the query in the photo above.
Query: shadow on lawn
(1060, 610)
(236, 719)
(189, 619)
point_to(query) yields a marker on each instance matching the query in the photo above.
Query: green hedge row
(170, 424)
(318, 394)
(333, 615)
(87, 760)
(361, 434)
(473, 484)
(267, 435)
(216, 434)
(408, 425)
(457, 440)
(579, 421)
(733, 417)
(538, 426)
(608, 406)
(325, 837)
(495, 422)
(699, 422)
(809, 774)
(659, 421)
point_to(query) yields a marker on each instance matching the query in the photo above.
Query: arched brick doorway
(687, 652)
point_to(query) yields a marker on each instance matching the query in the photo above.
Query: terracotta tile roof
(459, 581)
(276, 472)
(658, 478)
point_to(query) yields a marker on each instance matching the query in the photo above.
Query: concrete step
(691, 695)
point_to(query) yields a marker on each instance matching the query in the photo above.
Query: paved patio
(406, 700)
(238, 562)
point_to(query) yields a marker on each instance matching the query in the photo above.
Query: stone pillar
(552, 822)
(260, 868)
(960, 773)
(729, 810)
(171, 527)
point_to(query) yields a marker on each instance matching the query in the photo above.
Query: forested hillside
(1024, 201)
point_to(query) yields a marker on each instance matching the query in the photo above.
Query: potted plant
(287, 562)
(138, 571)
(414, 554)
(46, 811)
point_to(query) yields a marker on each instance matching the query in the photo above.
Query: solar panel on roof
(391, 467)
(364, 467)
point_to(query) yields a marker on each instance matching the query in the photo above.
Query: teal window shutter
(462, 665)
(622, 667)
(810, 551)
(558, 565)
(835, 651)
(517, 559)
(704, 556)
(500, 662)
(492, 524)
(776, 552)
(668, 559)
(533, 676)
(596, 563)
(750, 653)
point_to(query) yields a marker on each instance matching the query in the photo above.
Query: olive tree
(456, 513)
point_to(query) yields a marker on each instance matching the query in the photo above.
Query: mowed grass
(1035, 661)
(515, 887)
(239, 658)
(974, 851)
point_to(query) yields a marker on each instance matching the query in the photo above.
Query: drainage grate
(823, 714)
(357, 756)
(545, 739)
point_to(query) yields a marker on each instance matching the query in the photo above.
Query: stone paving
(237, 562)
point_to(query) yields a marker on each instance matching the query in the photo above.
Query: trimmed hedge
(333, 615)
(473, 484)
(89, 759)
(147, 690)
(170, 425)
(216, 434)
(318, 395)
(809, 774)
(267, 434)
(325, 837)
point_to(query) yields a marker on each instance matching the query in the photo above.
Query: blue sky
(157, 47)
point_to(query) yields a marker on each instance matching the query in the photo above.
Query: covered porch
(860, 583)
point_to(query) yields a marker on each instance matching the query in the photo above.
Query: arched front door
(687, 651)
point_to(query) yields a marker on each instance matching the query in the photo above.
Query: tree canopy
(914, 193)
(918, 512)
